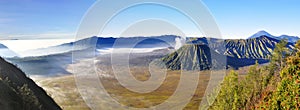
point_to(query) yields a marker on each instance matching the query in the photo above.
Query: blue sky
(44, 19)
(242, 18)
(41, 18)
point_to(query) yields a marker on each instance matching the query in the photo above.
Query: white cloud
(20, 46)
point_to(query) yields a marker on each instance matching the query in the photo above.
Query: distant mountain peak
(261, 33)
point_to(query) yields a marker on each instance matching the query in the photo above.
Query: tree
(251, 86)
(287, 93)
(228, 97)
(277, 62)
(279, 54)
(276, 86)
(243, 94)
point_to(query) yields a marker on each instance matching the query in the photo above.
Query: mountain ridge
(123, 42)
(292, 39)
(239, 53)
(106, 42)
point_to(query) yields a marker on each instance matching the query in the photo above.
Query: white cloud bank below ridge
(20, 46)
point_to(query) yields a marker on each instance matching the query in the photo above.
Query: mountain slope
(189, 57)
(196, 54)
(20, 93)
(255, 48)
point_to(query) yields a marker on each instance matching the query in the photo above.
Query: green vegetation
(276, 86)
(287, 92)
(29, 99)
(227, 98)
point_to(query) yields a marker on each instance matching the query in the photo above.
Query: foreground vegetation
(275, 86)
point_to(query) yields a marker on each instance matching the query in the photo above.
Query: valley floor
(65, 92)
(65, 89)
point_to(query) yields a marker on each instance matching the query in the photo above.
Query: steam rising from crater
(179, 42)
